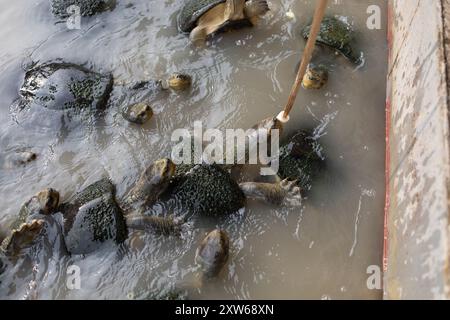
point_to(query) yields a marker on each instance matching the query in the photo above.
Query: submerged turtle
(205, 17)
(300, 160)
(73, 88)
(337, 35)
(212, 253)
(38, 239)
(316, 77)
(61, 86)
(44, 203)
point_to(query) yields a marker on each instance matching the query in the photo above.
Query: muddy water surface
(320, 250)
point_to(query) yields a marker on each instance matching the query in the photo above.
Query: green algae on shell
(336, 34)
(206, 190)
(92, 218)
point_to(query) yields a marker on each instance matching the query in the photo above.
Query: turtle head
(155, 178)
(315, 77)
(151, 184)
(198, 36)
(270, 124)
(138, 113)
(22, 238)
(212, 253)
(161, 171)
(45, 202)
(177, 81)
(48, 200)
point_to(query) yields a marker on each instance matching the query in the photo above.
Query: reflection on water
(239, 79)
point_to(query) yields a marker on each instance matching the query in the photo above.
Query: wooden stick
(307, 54)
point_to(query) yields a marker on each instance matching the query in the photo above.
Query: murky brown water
(321, 250)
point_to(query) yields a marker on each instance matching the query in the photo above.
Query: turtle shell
(335, 34)
(62, 86)
(192, 11)
(92, 218)
(206, 190)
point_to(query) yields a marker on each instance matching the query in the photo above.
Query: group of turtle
(95, 216)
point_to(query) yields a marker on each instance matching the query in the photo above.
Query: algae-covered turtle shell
(61, 8)
(92, 218)
(206, 190)
(192, 11)
(299, 159)
(63, 86)
(336, 34)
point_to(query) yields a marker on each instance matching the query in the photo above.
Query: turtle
(211, 256)
(63, 9)
(202, 18)
(299, 162)
(38, 239)
(316, 76)
(74, 89)
(338, 35)
(59, 85)
(138, 113)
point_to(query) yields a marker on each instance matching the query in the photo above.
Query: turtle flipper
(234, 9)
(163, 225)
(22, 238)
(283, 192)
(199, 35)
(348, 53)
(292, 192)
